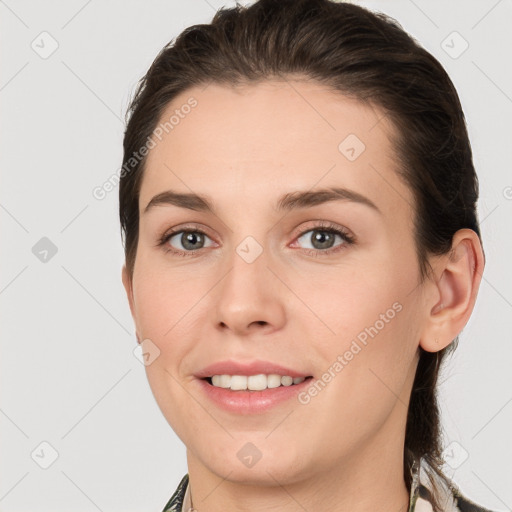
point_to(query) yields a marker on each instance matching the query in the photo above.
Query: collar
(426, 482)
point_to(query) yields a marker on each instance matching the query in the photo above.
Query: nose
(250, 298)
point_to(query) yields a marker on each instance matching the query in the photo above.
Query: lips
(246, 403)
(230, 367)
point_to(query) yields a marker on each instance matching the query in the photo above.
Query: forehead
(269, 138)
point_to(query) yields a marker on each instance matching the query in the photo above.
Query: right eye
(188, 241)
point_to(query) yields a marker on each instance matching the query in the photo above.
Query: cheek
(165, 299)
(366, 374)
(352, 303)
(368, 337)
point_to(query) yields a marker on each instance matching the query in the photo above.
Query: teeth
(254, 382)
(273, 381)
(238, 382)
(221, 381)
(257, 382)
(286, 381)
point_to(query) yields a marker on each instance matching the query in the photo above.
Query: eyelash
(326, 227)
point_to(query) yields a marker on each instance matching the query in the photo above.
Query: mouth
(251, 387)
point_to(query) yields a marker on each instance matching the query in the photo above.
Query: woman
(298, 204)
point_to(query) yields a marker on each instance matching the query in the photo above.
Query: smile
(257, 382)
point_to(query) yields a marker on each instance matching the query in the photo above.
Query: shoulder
(451, 501)
(435, 486)
(464, 504)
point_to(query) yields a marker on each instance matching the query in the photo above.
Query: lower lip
(247, 402)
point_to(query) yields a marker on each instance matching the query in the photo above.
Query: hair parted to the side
(363, 55)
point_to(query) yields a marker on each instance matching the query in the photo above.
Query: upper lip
(231, 367)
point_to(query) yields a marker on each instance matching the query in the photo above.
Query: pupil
(190, 238)
(324, 238)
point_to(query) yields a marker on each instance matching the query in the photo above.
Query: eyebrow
(290, 201)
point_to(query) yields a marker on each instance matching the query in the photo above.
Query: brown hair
(366, 56)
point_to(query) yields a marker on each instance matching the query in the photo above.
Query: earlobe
(455, 291)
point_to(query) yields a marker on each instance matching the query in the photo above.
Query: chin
(246, 464)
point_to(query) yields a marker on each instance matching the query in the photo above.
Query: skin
(245, 148)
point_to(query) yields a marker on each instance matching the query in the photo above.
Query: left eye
(321, 238)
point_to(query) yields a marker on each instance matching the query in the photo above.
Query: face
(277, 278)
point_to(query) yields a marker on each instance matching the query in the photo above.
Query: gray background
(68, 373)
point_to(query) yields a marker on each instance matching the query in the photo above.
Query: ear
(127, 283)
(452, 293)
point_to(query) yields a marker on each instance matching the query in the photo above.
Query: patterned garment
(450, 497)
